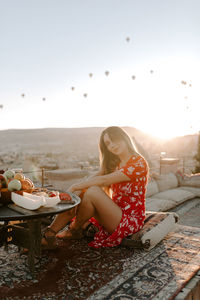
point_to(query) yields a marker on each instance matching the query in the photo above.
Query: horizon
(99, 127)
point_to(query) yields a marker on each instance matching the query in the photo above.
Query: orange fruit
(19, 176)
(26, 185)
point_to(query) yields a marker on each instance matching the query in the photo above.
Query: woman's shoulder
(137, 158)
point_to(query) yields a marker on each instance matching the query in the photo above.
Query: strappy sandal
(50, 240)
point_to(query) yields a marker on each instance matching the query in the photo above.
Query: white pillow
(188, 180)
(156, 227)
(157, 204)
(167, 181)
(194, 190)
(176, 195)
(152, 188)
(157, 233)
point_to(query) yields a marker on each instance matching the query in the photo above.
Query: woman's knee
(92, 192)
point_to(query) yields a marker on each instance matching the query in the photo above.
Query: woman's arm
(100, 180)
(98, 173)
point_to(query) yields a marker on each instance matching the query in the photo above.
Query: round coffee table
(27, 232)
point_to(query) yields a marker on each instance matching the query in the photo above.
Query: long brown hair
(108, 160)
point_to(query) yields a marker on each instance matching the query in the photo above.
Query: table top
(13, 212)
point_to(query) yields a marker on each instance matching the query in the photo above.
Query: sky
(91, 63)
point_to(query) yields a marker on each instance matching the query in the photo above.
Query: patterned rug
(75, 271)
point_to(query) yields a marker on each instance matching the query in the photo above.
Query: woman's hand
(72, 188)
(78, 193)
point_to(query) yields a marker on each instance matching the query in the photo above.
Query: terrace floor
(189, 213)
(77, 272)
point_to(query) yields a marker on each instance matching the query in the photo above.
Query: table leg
(26, 235)
(3, 236)
(34, 232)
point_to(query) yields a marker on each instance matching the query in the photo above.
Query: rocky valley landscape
(68, 148)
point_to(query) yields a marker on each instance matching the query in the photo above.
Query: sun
(165, 107)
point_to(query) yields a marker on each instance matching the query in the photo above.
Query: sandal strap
(51, 242)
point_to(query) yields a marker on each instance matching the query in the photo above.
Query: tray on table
(5, 198)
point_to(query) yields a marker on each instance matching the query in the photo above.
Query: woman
(113, 200)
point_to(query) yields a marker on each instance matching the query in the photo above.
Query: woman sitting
(113, 200)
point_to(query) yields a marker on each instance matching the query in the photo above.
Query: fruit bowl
(11, 181)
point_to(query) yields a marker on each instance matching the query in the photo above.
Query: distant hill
(84, 138)
(81, 143)
(44, 139)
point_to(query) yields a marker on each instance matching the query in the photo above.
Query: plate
(5, 195)
(27, 202)
(48, 201)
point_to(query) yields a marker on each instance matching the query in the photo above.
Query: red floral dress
(130, 197)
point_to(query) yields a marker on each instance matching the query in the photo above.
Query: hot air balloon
(107, 73)
(183, 82)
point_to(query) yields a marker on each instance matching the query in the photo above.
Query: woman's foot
(70, 234)
(48, 241)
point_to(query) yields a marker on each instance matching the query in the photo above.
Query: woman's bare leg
(62, 219)
(59, 223)
(96, 203)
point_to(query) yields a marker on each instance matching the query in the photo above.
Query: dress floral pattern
(130, 197)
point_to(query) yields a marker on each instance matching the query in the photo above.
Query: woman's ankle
(70, 233)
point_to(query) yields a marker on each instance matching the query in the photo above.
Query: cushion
(156, 227)
(194, 190)
(167, 181)
(157, 204)
(176, 195)
(152, 188)
(188, 180)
